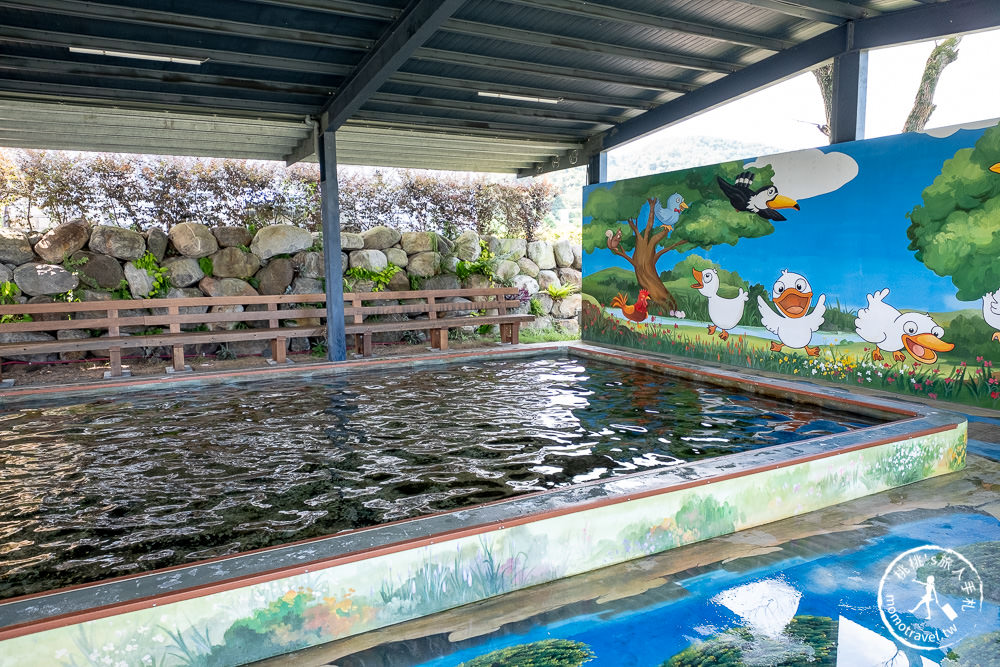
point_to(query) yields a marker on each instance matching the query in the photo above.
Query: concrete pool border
(651, 500)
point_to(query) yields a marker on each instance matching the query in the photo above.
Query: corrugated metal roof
(271, 68)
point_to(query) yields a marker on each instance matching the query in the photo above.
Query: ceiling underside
(598, 74)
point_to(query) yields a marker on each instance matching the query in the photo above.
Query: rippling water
(139, 482)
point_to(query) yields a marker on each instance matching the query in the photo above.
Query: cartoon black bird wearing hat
(763, 202)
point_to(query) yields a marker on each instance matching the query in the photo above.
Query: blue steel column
(850, 84)
(329, 203)
(597, 168)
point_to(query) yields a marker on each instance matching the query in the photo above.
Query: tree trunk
(644, 261)
(824, 77)
(943, 55)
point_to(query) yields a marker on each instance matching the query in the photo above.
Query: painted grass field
(851, 364)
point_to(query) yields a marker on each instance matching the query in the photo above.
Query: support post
(850, 84)
(336, 339)
(597, 168)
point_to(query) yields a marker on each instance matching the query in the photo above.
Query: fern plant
(379, 278)
(8, 297)
(161, 283)
(560, 291)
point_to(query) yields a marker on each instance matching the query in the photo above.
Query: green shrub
(561, 291)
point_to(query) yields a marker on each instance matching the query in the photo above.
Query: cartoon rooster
(636, 313)
(892, 331)
(724, 313)
(792, 295)
(764, 202)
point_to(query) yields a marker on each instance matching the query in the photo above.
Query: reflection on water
(135, 483)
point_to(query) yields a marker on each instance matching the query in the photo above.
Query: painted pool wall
(357, 593)
(870, 263)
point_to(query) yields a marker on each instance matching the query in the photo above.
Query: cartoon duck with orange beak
(793, 324)
(892, 331)
(724, 313)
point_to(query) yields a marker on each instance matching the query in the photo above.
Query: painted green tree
(956, 231)
(710, 219)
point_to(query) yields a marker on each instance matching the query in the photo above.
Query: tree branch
(650, 219)
(635, 230)
(668, 248)
(943, 55)
(659, 236)
(622, 253)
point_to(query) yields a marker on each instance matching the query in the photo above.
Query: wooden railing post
(178, 348)
(114, 351)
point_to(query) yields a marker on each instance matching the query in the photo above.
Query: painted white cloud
(942, 132)
(857, 646)
(767, 606)
(810, 172)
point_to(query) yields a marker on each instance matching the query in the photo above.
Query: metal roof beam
(526, 130)
(51, 126)
(825, 11)
(601, 12)
(363, 133)
(416, 152)
(342, 7)
(82, 115)
(466, 85)
(202, 22)
(177, 100)
(161, 76)
(546, 40)
(556, 71)
(197, 149)
(484, 165)
(418, 22)
(495, 109)
(53, 37)
(917, 24)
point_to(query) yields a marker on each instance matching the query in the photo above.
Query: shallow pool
(134, 483)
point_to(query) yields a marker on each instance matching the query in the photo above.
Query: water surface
(142, 481)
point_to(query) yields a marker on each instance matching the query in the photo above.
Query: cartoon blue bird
(668, 215)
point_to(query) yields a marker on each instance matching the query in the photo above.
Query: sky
(780, 116)
(773, 117)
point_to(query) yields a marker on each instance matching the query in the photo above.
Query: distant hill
(681, 153)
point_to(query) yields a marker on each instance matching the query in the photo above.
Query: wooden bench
(166, 313)
(435, 305)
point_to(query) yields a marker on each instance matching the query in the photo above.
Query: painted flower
(61, 653)
(932, 395)
(994, 395)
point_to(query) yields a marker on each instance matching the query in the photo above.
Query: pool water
(139, 482)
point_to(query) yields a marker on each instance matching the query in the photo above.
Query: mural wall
(873, 263)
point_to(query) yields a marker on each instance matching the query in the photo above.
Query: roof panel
(280, 61)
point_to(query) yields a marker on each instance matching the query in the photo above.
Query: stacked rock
(102, 262)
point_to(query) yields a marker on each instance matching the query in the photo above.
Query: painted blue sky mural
(850, 241)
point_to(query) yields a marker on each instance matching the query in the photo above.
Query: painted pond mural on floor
(808, 591)
(868, 263)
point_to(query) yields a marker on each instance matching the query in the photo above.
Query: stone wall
(98, 262)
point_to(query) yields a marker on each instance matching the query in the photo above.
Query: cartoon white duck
(892, 331)
(792, 295)
(991, 309)
(724, 313)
